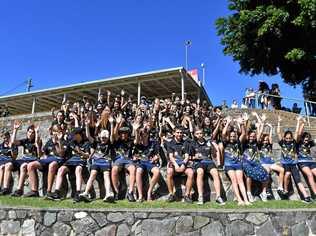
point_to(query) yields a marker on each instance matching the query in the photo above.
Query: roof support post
(182, 85)
(33, 105)
(138, 92)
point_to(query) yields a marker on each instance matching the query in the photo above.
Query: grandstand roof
(160, 83)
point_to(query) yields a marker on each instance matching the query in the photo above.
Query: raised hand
(136, 125)
(17, 124)
(263, 117)
(108, 92)
(111, 119)
(119, 118)
(122, 92)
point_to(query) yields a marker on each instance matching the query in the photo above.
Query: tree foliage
(272, 37)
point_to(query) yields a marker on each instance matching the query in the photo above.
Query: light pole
(187, 44)
(203, 73)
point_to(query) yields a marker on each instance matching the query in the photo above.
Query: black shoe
(17, 193)
(84, 197)
(130, 197)
(56, 196)
(31, 194)
(307, 200)
(283, 195)
(220, 201)
(187, 199)
(49, 196)
(171, 198)
(5, 191)
(76, 197)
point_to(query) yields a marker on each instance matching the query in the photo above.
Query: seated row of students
(114, 139)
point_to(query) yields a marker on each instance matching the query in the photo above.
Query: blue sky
(63, 42)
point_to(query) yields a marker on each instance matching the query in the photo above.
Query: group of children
(116, 135)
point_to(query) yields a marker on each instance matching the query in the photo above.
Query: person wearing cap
(79, 152)
(123, 158)
(7, 155)
(32, 150)
(178, 151)
(54, 156)
(101, 156)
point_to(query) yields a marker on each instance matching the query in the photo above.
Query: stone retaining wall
(26, 221)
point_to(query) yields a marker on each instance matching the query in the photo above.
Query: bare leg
(307, 171)
(199, 181)
(114, 174)
(280, 170)
(78, 173)
(52, 169)
(139, 182)
(107, 183)
(7, 174)
(188, 185)
(170, 181)
(233, 179)
(60, 176)
(287, 178)
(217, 181)
(241, 185)
(23, 172)
(154, 179)
(91, 179)
(1, 174)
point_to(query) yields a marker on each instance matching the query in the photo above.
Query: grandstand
(160, 83)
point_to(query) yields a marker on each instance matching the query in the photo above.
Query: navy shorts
(100, 164)
(26, 159)
(75, 161)
(49, 159)
(122, 162)
(146, 165)
(311, 165)
(232, 166)
(294, 171)
(5, 160)
(206, 165)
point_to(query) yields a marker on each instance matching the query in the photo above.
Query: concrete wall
(122, 222)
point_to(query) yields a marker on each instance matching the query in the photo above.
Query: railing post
(33, 105)
(307, 113)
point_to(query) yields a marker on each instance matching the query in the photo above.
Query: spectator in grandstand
(232, 157)
(296, 109)
(250, 98)
(288, 144)
(178, 151)
(276, 96)
(54, 151)
(224, 105)
(263, 92)
(234, 104)
(203, 154)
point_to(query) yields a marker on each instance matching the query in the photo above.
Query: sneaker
(187, 199)
(5, 191)
(31, 194)
(84, 197)
(56, 196)
(220, 201)
(307, 200)
(171, 198)
(93, 195)
(269, 195)
(283, 195)
(49, 196)
(76, 198)
(17, 193)
(109, 198)
(130, 197)
(250, 197)
(263, 196)
(140, 200)
(200, 200)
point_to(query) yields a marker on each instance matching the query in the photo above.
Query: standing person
(79, 150)
(54, 155)
(263, 92)
(289, 159)
(32, 146)
(234, 105)
(232, 159)
(7, 155)
(178, 152)
(276, 98)
(203, 154)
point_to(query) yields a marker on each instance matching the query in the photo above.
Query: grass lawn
(99, 204)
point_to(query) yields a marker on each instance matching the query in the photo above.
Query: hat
(124, 130)
(105, 134)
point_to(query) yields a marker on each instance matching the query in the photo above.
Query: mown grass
(99, 204)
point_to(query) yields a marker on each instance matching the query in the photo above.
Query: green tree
(271, 37)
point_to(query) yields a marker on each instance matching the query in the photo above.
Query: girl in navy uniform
(146, 154)
(252, 166)
(79, 152)
(54, 156)
(7, 155)
(203, 152)
(232, 159)
(32, 145)
(305, 161)
(267, 161)
(101, 155)
(178, 152)
(288, 146)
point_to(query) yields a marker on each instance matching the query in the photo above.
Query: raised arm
(17, 124)
(38, 142)
(87, 129)
(299, 128)
(224, 132)
(280, 135)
